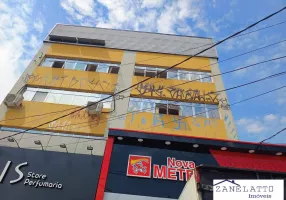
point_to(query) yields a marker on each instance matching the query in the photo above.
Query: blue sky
(25, 23)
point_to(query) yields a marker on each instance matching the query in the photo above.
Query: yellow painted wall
(164, 89)
(72, 80)
(165, 60)
(168, 124)
(79, 122)
(85, 53)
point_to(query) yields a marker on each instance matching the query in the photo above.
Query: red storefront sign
(140, 166)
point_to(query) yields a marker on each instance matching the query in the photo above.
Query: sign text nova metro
(141, 166)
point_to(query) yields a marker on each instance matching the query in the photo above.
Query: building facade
(152, 121)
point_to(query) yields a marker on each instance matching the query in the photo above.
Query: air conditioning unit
(13, 100)
(94, 108)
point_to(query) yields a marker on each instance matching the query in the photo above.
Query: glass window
(183, 75)
(151, 72)
(69, 64)
(28, 95)
(103, 67)
(79, 100)
(93, 97)
(172, 74)
(53, 98)
(194, 76)
(66, 99)
(173, 109)
(40, 96)
(162, 74)
(134, 105)
(91, 67)
(48, 62)
(139, 72)
(148, 105)
(213, 111)
(206, 77)
(80, 65)
(113, 69)
(58, 64)
(187, 109)
(200, 110)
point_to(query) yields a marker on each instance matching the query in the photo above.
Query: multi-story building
(77, 65)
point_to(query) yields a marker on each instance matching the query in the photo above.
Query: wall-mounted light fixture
(38, 142)
(11, 139)
(89, 148)
(64, 146)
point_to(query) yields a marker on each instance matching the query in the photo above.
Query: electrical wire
(227, 38)
(117, 117)
(227, 59)
(272, 136)
(217, 108)
(238, 102)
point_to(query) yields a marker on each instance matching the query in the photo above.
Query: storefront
(34, 174)
(140, 165)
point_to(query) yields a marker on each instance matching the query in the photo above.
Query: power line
(209, 43)
(227, 38)
(218, 108)
(272, 136)
(235, 87)
(227, 59)
(247, 99)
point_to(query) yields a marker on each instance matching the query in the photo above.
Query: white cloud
(270, 118)
(265, 124)
(251, 125)
(39, 25)
(14, 29)
(145, 15)
(152, 3)
(78, 8)
(283, 120)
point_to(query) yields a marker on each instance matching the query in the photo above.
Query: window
(40, 96)
(91, 67)
(200, 110)
(172, 74)
(194, 76)
(151, 73)
(66, 99)
(183, 75)
(53, 97)
(173, 109)
(48, 62)
(206, 77)
(168, 109)
(139, 71)
(162, 74)
(80, 65)
(213, 111)
(58, 64)
(103, 68)
(113, 70)
(79, 100)
(69, 64)
(187, 109)
(28, 95)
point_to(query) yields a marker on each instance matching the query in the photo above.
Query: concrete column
(226, 114)
(36, 60)
(124, 81)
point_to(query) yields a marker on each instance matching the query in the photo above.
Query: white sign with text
(248, 189)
